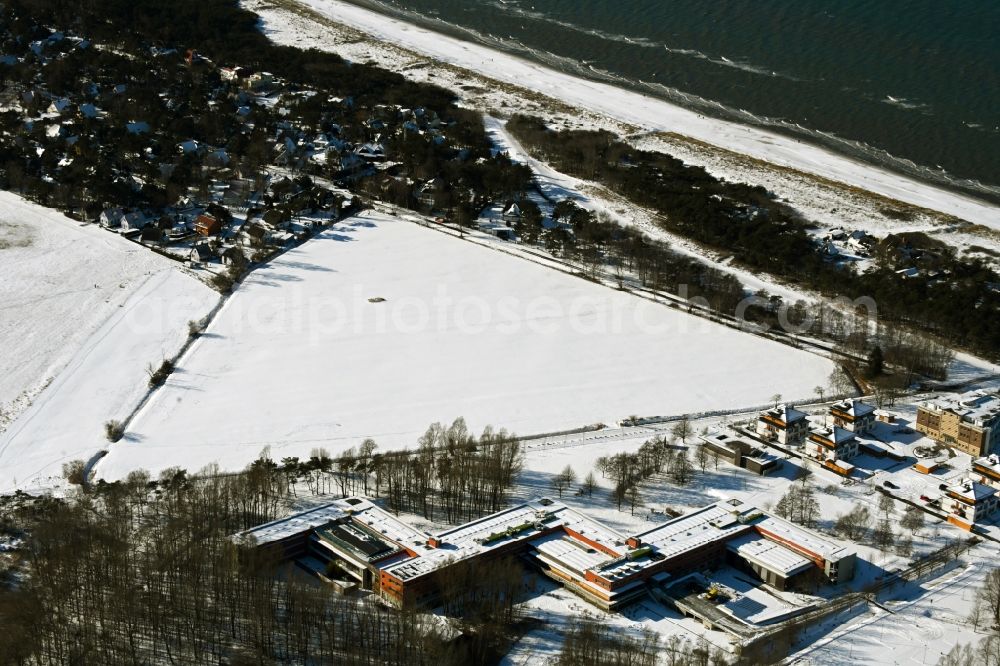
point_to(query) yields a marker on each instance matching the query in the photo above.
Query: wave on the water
(908, 104)
(585, 69)
(513, 9)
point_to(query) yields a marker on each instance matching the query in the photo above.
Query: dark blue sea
(913, 85)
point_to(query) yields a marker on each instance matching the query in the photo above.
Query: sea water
(912, 85)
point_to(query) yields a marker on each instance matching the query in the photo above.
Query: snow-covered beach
(641, 112)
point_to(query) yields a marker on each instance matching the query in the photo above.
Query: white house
(853, 415)
(132, 221)
(967, 502)
(784, 424)
(831, 443)
(111, 218)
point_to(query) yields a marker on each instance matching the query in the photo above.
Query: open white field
(105, 379)
(59, 282)
(300, 358)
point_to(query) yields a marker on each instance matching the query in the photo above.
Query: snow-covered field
(300, 357)
(105, 380)
(59, 282)
(918, 625)
(588, 97)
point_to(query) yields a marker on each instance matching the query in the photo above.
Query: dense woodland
(144, 571)
(958, 300)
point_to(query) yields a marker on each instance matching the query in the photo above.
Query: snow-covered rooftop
(970, 490)
(800, 538)
(711, 523)
(284, 528)
(769, 554)
(571, 553)
(833, 435)
(976, 407)
(517, 523)
(853, 407)
(784, 413)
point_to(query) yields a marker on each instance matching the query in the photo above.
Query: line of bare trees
(452, 475)
(597, 644)
(628, 471)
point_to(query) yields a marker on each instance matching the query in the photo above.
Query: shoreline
(649, 114)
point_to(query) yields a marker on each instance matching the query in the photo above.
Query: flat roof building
(403, 565)
(969, 421)
(740, 451)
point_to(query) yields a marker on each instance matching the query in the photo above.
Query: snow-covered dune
(301, 357)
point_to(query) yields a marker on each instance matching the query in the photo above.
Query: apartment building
(969, 421)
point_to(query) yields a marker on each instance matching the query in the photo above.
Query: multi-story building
(783, 424)
(357, 540)
(853, 414)
(967, 502)
(969, 422)
(831, 443)
(986, 470)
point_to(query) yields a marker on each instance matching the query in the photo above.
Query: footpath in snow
(60, 280)
(105, 379)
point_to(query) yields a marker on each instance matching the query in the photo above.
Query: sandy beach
(638, 111)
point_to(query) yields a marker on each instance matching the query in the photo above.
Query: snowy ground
(301, 358)
(919, 622)
(59, 282)
(105, 380)
(494, 80)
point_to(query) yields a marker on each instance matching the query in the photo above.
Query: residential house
(259, 81)
(853, 415)
(512, 213)
(968, 502)
(201, 253)
(371, 151)
(232, 256)
(111, 218)
(133, 221)
(986, 470)
(832, 442)
(426, 193)
(207, 225)
(783, 424)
